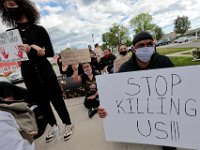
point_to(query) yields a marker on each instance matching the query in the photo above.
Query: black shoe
(92, 113)
(168, 148)
(89, 112)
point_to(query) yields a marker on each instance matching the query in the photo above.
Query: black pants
(91, 103)
(45, 90)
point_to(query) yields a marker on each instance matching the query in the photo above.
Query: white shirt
(10, 138)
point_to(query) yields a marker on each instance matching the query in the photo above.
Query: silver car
(185, 39)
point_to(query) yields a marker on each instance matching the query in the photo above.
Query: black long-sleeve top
(37, 72)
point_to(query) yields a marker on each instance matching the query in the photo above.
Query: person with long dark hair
(88, 80)
(39, 76)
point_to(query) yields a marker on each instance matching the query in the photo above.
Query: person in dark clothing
(39, 76)
(157, 61)
(144, 57)
(107, 61)
(88, 80)
(9, 91)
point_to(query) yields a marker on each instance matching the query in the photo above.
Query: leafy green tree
(116, 35)
(142, 22)
(181, 24)
(157, 33)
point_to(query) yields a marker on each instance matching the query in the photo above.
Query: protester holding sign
(88, 80)
(144, 57)
(66, 69)
(39, 76)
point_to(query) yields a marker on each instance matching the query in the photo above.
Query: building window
(1, 71)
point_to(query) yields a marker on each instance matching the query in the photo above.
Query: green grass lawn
(165, 51)
(184, 61)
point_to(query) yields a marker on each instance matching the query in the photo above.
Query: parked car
(16, 77)
(163, 42)
(185, 39)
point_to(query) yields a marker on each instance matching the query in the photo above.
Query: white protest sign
(9, 50)
(75, 56)
(160, 106)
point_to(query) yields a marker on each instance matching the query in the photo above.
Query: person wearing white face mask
(144, 57)
(88, 80)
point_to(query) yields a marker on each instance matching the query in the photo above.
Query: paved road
(88, 133)
(187, 53)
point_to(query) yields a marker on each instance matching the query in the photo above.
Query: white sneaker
(68, 132)
(54, 132)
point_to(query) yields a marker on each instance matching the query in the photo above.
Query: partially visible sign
(9, 51)
(159, 106)
(75, 56)
(119, 61)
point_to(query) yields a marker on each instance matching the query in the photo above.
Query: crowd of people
(41, 81)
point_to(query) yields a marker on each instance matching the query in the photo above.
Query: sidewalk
(88, 133)
(187, 53)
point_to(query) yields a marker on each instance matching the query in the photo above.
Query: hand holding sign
(102, 112)
(75, 66)
(24, 47)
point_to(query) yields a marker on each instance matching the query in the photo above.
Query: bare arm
(75, 76)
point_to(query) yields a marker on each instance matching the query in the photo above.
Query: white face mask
(144, 54)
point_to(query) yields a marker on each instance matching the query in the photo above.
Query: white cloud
(52, 10)
(72, 22)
